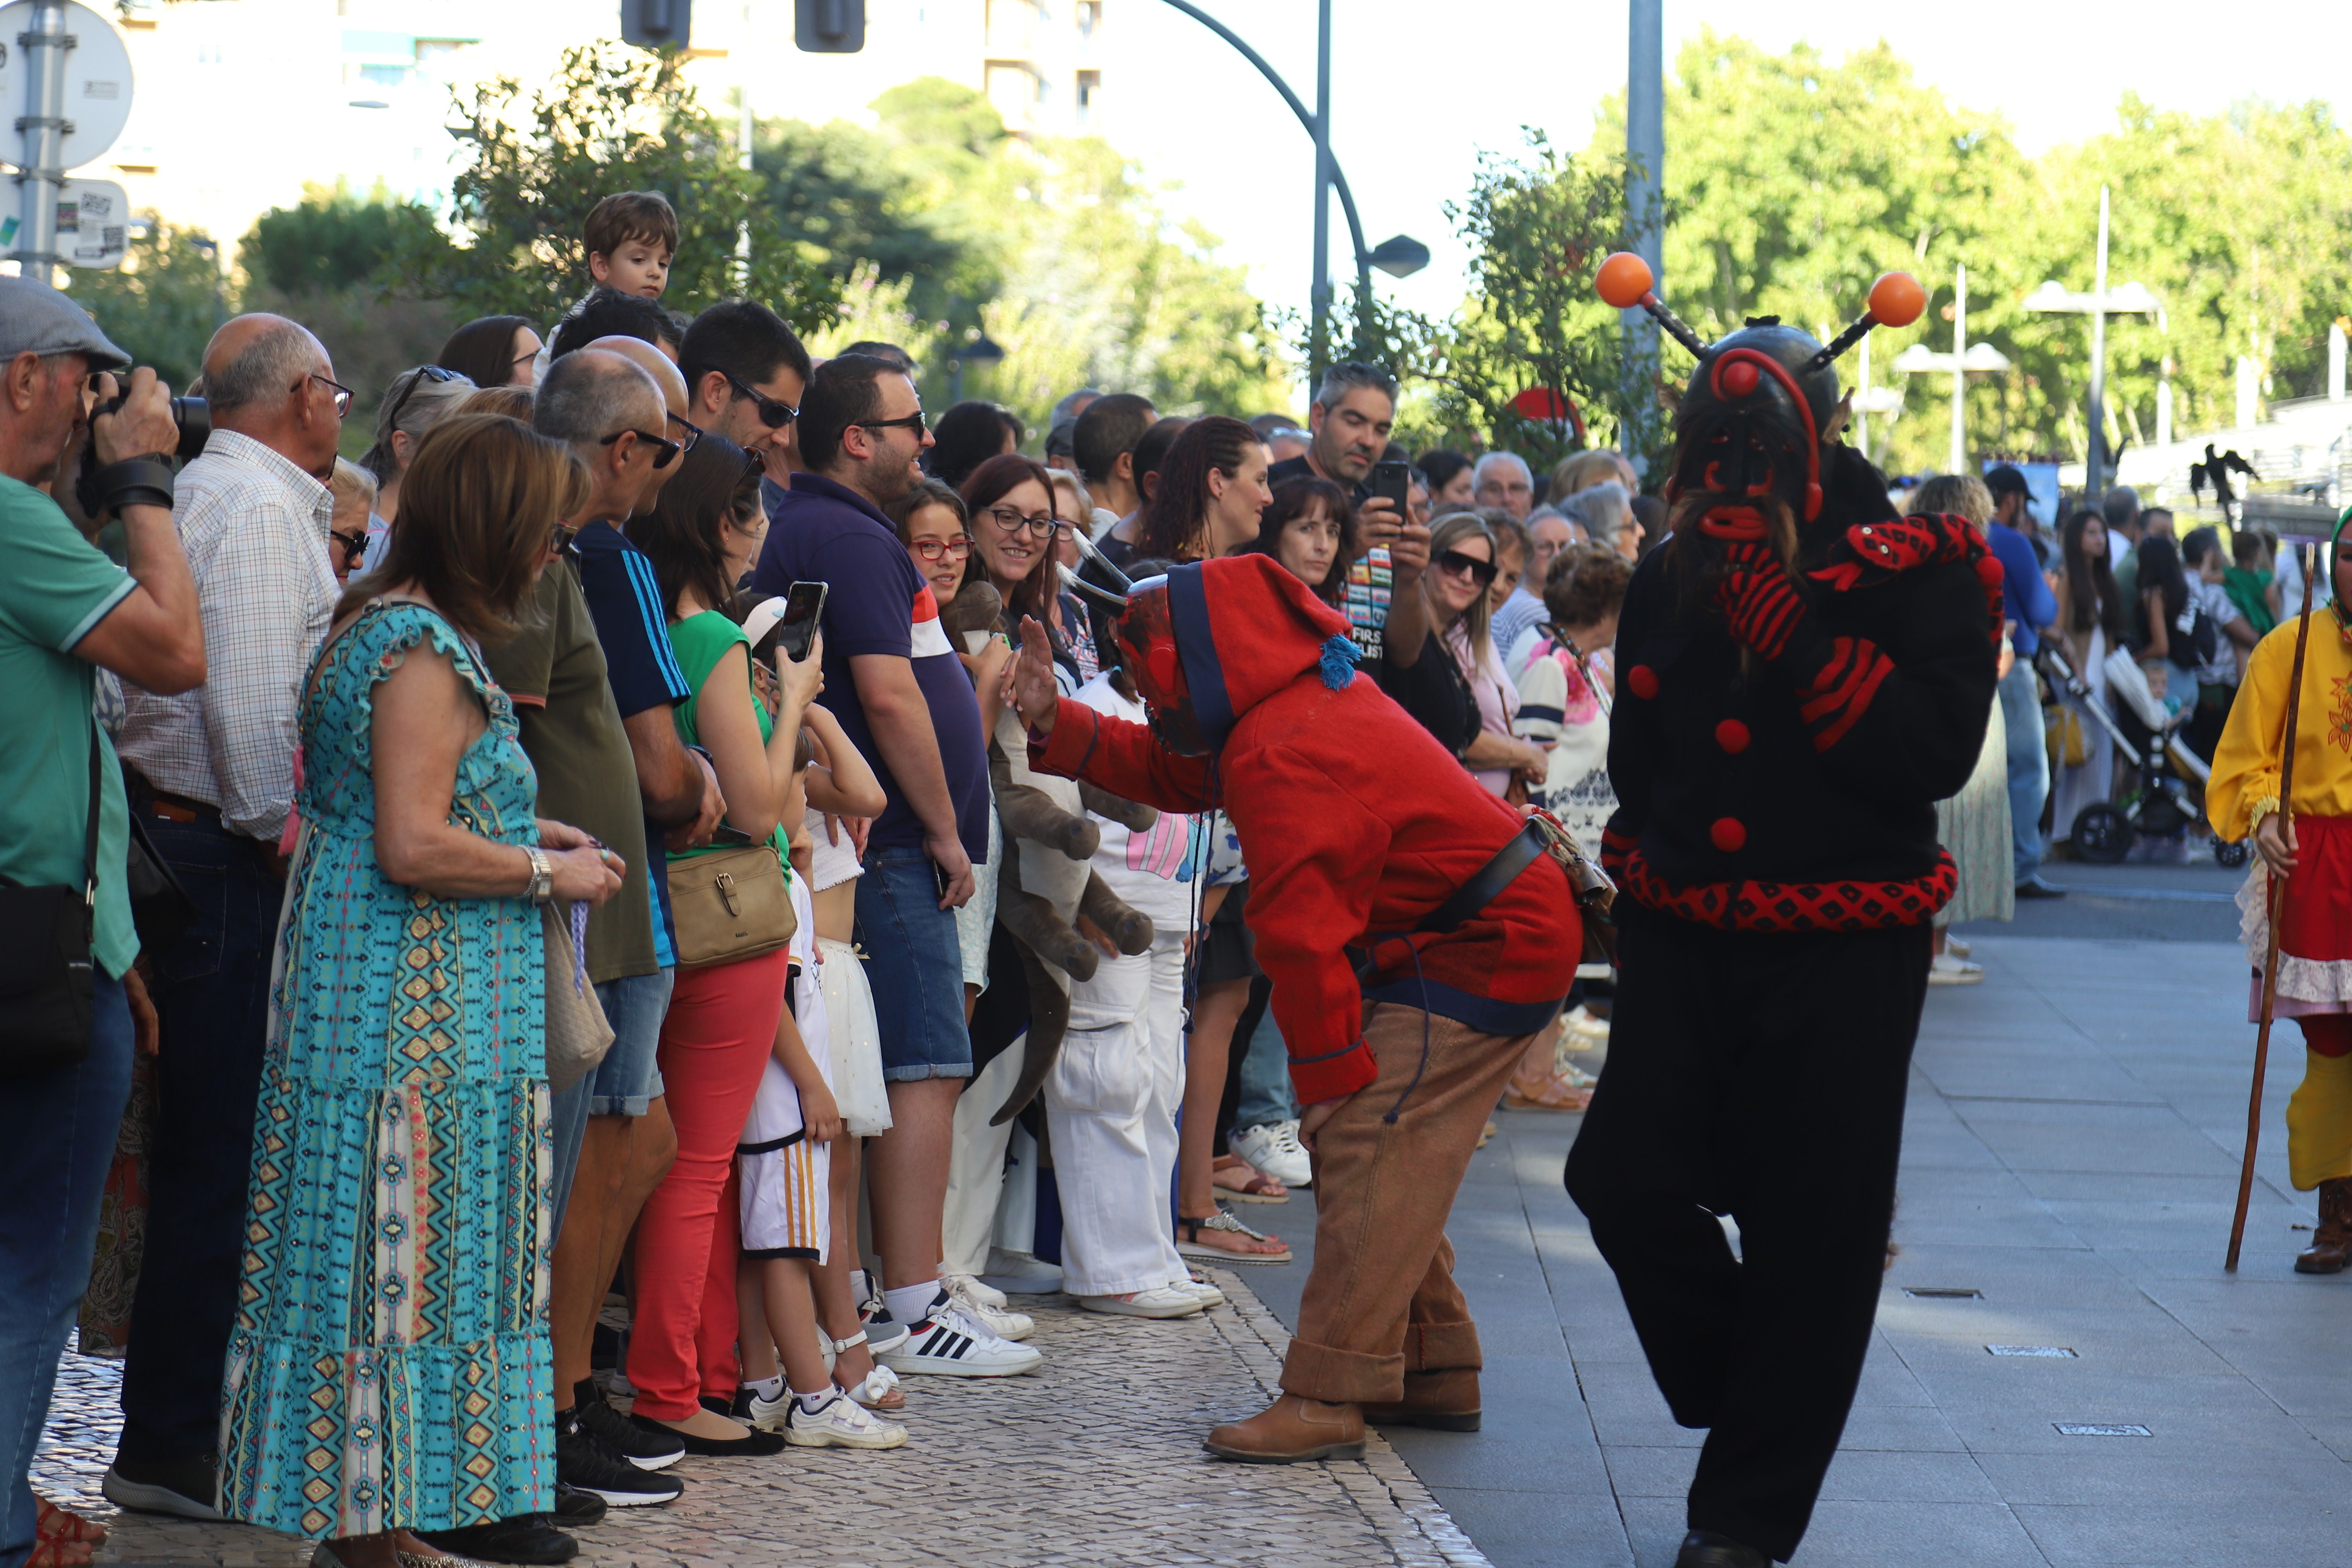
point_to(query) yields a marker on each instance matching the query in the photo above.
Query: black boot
(1706, 1548)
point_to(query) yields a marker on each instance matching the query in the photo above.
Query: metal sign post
(67, 66)
(41, 174)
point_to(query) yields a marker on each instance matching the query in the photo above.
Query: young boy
(632, 236)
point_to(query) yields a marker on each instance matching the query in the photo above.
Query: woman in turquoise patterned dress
(390, 1369)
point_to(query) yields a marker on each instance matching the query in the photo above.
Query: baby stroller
(2169, 794)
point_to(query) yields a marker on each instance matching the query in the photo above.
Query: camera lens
(195, 419)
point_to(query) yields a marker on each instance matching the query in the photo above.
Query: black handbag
(46, 971)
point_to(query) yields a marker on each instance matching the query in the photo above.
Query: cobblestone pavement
(1096, 1460)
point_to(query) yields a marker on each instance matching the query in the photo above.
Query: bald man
(211, 776)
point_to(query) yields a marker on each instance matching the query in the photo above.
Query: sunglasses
(693, 433)
(1013, 522)
(666, 451)
(1454, 563)
(775, 415)
(422, 373)
(354, 545)
(911, 422)
(956, 549)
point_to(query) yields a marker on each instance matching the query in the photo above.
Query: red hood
(1245, 628)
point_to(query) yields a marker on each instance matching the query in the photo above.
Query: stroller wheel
(2230, 855)
(2102, 835)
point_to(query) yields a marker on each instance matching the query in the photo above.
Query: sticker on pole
(93, 223)
(96, 86)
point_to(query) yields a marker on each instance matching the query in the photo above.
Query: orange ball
(1624, 277)
(1897, 299)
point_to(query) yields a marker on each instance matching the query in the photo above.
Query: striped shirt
(254, 526)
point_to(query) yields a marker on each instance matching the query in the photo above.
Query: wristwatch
(542, 875)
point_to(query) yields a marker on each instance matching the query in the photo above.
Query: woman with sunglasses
(347, 531)
(1437, 682)
(416, 401)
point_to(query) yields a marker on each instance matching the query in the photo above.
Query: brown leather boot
(1290, 1429)
(2331, 1243)
(1442, 1401)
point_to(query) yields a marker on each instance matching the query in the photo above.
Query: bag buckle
(724, 884)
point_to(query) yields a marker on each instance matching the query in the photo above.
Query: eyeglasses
(1454, 563)
(559, 538)
(354, 545)
(693, 433)
(775, 415)
(420, 375)
(956, 549)
(342, 394)
(911, 422)
(1013, 522)
(665, 451)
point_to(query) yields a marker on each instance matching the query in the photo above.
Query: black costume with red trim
(1780, 738)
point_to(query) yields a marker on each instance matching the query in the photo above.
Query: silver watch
(542, 875)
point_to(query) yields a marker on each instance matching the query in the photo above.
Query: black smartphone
(1391, 480)
(726, 833)
(804, 606)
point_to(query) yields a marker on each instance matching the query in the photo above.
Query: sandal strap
(1223, 1220)
(851, 1343)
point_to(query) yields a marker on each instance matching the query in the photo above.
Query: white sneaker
(1583, 1028)
(974, 1288)
(1159, 1301)
(839, 1423)
(1208, 1295)
(950, 1342)
(1276, 1151)
(1004, 1324)
(1949, 971)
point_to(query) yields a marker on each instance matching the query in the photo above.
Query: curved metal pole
(1307, 118)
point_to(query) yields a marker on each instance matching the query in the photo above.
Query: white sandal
(876, 1388)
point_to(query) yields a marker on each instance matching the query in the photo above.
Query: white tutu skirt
(857, 1086)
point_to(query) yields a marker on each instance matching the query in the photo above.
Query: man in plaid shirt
(211, 776)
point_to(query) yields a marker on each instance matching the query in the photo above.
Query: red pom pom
(1643, 681)
(1732, 736)
(1729, 833)
(1739, 378)
(1988, 571)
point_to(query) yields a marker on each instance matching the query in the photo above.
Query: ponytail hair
(1176, 520)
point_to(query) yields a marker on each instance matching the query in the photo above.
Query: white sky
(1414, 99)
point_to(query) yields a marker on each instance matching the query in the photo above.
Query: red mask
(1147, 644)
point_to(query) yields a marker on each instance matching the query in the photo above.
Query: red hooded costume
(1355, 823)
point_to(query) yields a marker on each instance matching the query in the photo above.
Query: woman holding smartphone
(722, 1018)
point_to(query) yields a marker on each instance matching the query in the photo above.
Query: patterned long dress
(391, 1362)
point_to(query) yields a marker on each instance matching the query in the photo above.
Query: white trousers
(1110, 1112)
(976, 1165)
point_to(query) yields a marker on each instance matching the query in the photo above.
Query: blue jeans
(634, 1005)
(2029, 764)
(211, 987)
(1265, 1093)
(53, 1164)
(915, 965)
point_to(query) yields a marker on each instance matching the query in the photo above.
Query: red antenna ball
(1897, 299)
(1739, 378)
(1624, 277)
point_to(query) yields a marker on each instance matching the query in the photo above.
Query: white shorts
(857, 1086)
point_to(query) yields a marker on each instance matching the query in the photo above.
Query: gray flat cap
(37, 319)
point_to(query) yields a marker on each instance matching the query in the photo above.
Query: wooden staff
(2277, 903)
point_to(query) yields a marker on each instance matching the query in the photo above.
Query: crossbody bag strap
(89, 833)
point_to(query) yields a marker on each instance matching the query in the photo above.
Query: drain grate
(2101, 1429)
(2051, 1351)
(1943, 1292)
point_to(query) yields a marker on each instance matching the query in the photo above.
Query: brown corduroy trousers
(1382, 1299)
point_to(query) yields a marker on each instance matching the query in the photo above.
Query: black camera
(194, 417)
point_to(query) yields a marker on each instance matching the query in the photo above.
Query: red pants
(715, 1042)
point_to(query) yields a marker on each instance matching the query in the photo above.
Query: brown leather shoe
(1445, 1401)
(2331, 1243)
(1291, 1429)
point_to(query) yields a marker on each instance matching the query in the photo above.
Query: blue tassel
(1338, 663)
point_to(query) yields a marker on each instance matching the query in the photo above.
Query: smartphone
(804, 606)
(726, 833)
(1389, 483)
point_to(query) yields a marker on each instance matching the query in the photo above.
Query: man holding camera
(211, 776)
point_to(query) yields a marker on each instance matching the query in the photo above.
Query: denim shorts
(914, 966)
(628, 1079)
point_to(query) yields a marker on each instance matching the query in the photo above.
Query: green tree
(332, 239)
(163, 304)
(611, 118)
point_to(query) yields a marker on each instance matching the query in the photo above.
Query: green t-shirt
(700, 641)
(55, 587)
(554, 671)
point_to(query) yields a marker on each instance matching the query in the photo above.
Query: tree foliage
(331, 239)
(161, 307)
(611, 118)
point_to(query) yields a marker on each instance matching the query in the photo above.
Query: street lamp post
(2130, 300)
(1645, 144)
(1966, 359)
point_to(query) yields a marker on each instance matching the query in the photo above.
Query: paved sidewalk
(1096, 1461)
(2071, 1155)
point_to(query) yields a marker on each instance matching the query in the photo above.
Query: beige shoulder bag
(729, 904)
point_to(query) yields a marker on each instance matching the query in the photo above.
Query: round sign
(98, 82)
